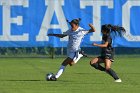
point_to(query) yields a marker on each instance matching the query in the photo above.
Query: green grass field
(27, 75)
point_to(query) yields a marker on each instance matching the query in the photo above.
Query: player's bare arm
(57, 35)
(101, 45)
(92, 28)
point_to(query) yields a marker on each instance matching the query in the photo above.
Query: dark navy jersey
(107, 51)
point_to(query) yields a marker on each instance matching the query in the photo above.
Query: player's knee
(95, 65)
(71, 63)
(95, 60)
(107, 68)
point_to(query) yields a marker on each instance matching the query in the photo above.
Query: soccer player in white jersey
(76, 34)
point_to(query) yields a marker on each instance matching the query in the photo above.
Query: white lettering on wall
(126, 19)
(53, 6)
(7, 20)
(96, 5)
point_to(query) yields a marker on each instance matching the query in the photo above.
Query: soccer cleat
(82, 52)
(118, 80)
(53, 78)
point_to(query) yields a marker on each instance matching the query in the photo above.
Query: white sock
(60, 71)
(77, 59)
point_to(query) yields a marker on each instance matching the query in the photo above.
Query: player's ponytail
(75, 21)
(67, 20)
(118, 30)
(78, 19)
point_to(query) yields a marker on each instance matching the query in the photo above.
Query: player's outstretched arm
(101, 45)
(92, 28)
(57, 35)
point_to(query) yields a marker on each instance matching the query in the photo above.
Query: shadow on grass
(22, 80)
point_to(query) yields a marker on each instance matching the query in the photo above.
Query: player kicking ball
(74, 53)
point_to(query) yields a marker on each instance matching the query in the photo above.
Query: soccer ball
(50, 77)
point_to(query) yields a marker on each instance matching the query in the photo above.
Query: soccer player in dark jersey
(107, 51)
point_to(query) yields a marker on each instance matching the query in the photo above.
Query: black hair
(75, 21)
(118, 30)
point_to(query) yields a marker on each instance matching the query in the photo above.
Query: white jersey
(75, 39)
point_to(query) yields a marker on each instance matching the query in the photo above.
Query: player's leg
(77, 56)
(110, 71)
(96, 63)
(63, 66)
(73, 58)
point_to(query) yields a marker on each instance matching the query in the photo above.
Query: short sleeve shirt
(75, 38)
(109, 49)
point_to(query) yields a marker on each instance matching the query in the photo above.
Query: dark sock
(101, 68)
(98, 66)
(112, 73)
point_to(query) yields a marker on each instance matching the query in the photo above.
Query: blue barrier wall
(26, 23)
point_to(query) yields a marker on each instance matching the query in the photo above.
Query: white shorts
(75, 56)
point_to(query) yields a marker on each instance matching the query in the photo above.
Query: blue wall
(26, 23)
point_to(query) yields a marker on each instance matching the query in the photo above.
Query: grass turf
(27, 75)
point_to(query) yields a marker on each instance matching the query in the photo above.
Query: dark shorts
(110, 57)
